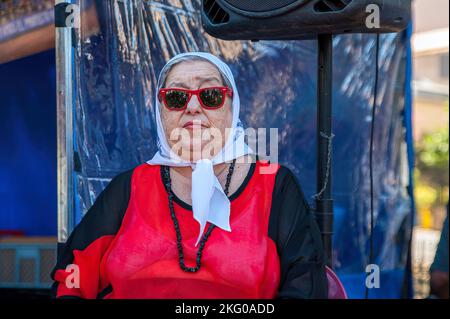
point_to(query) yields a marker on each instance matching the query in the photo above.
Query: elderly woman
(204, 218)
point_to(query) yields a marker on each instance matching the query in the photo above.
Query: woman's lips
(194, 124)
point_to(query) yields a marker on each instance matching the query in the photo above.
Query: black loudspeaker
(301, 19)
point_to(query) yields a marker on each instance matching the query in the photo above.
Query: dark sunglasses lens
(212, 97)
(176, 99)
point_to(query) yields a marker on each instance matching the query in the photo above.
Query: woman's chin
(194, 155)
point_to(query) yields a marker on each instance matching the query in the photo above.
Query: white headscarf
(209, 202)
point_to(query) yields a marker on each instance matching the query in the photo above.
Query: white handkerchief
(209, 202)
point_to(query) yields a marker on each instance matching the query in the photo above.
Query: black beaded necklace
(168, 186)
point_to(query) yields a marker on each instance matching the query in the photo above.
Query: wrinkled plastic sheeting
(117, 67)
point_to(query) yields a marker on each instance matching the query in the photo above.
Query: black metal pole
(324, 202)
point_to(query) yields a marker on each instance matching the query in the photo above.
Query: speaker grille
(331, 5)
(214, 12)
(26, 270)
(27, 262)
(47, 261)
(261, 5)
(7, 260)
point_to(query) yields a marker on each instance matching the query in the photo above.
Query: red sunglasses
(211, 98)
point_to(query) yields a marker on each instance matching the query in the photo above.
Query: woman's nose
(194, 105)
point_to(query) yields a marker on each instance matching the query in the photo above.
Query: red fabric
(142, 262)
(88, 261)
(7, 232)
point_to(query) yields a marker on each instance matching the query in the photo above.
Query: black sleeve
(293, 228)
(91, 237)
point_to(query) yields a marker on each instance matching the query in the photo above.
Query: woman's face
(208, 133)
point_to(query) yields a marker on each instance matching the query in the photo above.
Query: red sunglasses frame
(223, 89)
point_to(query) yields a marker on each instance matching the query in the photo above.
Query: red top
(143, 260)
(139, 259)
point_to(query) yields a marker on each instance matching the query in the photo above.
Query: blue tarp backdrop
(117, 66)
